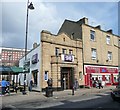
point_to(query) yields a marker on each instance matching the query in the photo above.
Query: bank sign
(35, 58)
(67, 58)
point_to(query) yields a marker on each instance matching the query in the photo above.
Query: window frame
(70, 51)
(108, 39)
(92, 34)
(109, 56)
(93, 55)
(56, 51)
(64, 51)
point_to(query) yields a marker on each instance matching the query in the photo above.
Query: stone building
(61, 60)
(100, 50)
(58, 57)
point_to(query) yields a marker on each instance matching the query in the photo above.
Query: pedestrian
(8, 87)
(96, 84)
(100, 83)
(31, 84)
(3, 85)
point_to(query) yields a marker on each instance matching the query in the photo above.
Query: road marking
(94, 97)
(50, 105)
(77, 100)
(103, 94)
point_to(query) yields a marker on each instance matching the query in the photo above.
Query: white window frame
(92, 34)
(109, 56)
(93, 53)
(108, 39)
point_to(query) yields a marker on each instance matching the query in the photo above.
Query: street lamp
(29, 6)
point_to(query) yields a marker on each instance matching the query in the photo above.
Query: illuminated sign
(67, 58)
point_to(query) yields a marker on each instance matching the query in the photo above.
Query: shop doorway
(67, 77)
(35, 77)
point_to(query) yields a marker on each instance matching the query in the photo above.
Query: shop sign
(67, 58)
(91, 69)
(35, 58)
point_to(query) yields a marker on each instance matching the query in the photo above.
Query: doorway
(67, 77)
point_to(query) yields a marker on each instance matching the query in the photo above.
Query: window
(108, 39)
(92, 35)
(93, 53)
(109, 55)
(70, 52)
(80, 75)
(46, 76)
(64, 51)
(56, 51)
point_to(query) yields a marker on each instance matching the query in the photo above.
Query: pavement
(60, 95)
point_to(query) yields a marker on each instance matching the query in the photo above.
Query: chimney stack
(98, 27)
(110, 31)
(83, 21)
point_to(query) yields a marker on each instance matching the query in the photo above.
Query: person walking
(31, 84)
(8, 87)
(3, 85)
(100, 83)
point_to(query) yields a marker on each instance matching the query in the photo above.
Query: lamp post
(9, 73)
(29, 6)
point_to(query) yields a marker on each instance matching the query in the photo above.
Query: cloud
(14, 22)
(50, 16)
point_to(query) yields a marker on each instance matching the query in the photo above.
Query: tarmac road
(91, 98)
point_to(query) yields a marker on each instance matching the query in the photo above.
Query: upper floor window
(109, 55)
(56, 51)
(64, 51)
(71, 52)
(94, 53)
(92, 35)
(108, 39)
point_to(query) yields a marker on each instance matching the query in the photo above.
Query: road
(91, 100)
(94, 101)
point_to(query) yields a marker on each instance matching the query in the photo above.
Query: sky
(50, 16)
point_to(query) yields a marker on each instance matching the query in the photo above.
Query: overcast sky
(50, 16)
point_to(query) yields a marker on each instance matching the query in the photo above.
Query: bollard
(73, 91)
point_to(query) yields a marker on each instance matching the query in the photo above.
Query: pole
(26, 45)
(28, 7)
(26, 31)
(9, 76)
(57, 72)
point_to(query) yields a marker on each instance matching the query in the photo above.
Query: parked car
(115, 94)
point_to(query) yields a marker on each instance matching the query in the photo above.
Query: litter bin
(49, 92)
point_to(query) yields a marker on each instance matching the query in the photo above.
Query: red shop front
(108, 75)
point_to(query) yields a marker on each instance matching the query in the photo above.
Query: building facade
(59, 58)
(32, 67)
(10, 56)
(100, 50)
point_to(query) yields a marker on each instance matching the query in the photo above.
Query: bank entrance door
(67, 76)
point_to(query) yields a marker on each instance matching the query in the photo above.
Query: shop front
(108, 75)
